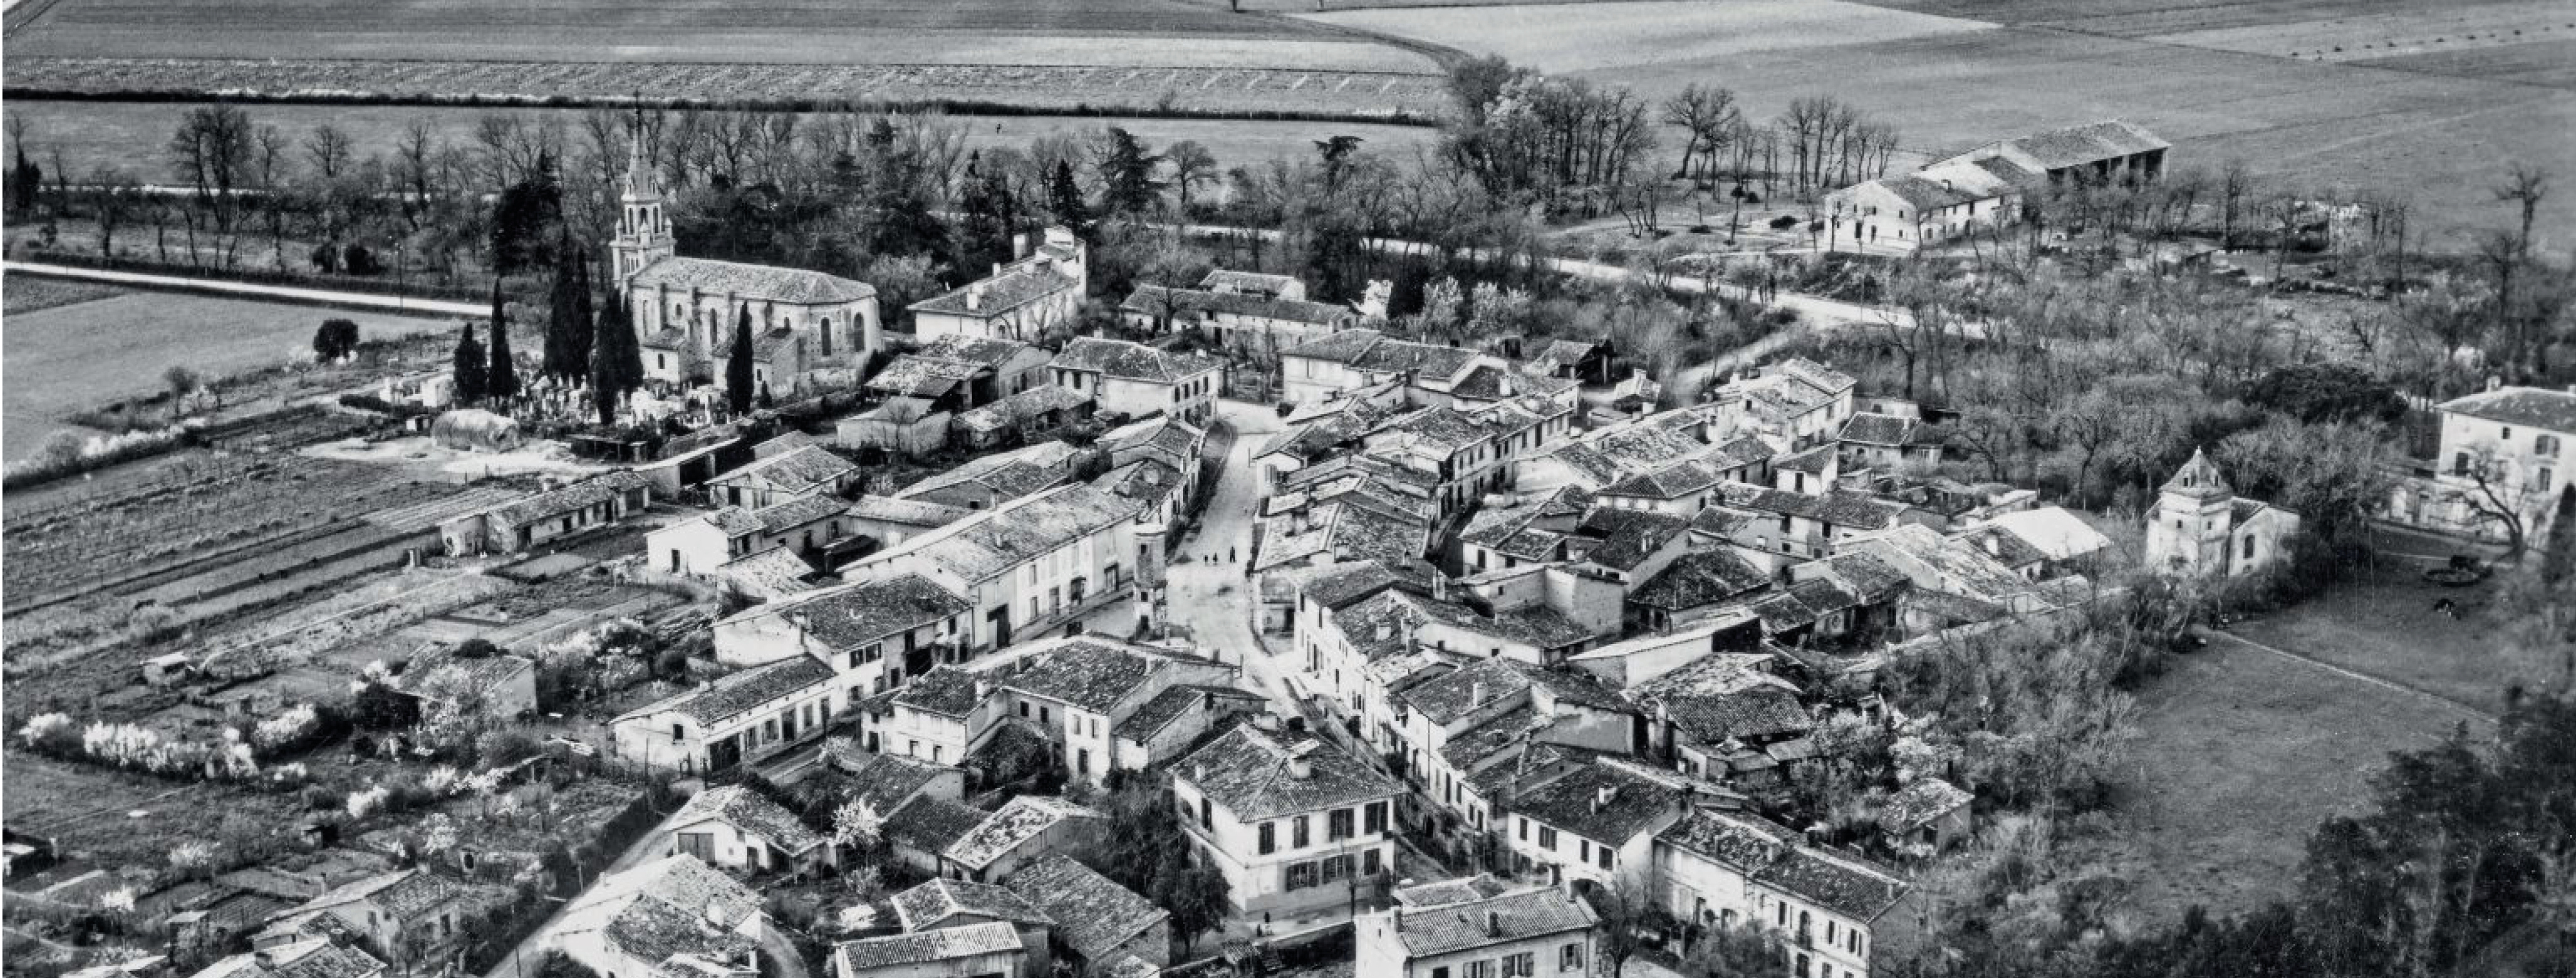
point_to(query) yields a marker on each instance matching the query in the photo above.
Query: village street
(1210, 597)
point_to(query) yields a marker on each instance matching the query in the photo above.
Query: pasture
(131, 134)
(1949, 82)
(76, 356)
(2240, 754)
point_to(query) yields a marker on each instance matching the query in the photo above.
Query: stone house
(1478, 928)
(672, 915)
(988, 950)
(1097, 922)
(807, 471)
(1294, 824)
(736, 828)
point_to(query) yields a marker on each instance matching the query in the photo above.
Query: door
(998, 621)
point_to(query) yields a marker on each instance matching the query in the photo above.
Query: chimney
(1994, 547)
(1493, 924)
(1476, 693)
(975, 297)
(1300, 768)
(1601, 799)
(1198, 771)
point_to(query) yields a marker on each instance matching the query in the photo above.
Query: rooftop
(928, 904)
(804, 469)
(944, 690)
(1482, 921)
(1606, 803)
(931, 824)
(1701, 577)
(1024, 529)
(926, 946)
(1093, 674)
(2530, 407)
(741, 692)
(1019, 284)
(753, 813)
(794, 286)
(1025, 817)
(1093, 915)
(1123, 360)
(577, 496)
(1249, 771)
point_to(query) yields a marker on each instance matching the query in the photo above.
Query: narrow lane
(1209, 595)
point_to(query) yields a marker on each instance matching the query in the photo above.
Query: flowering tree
(856, 825)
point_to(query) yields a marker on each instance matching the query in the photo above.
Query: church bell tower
(643, 231)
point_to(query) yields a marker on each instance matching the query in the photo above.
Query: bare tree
(329, 149)
(1707, 117)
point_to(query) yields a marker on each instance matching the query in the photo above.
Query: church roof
(2199, 479)
(752, 283)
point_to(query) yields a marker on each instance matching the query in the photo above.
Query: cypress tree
(577, 333)
(469, 367)
(556, 358)
(606, 387)
(739, 388)
(502, 381)
(1064, 197)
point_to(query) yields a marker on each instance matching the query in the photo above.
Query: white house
(737, 828)
(672, 915)
(1735, 870)
(807, 471)
(1021, 300)
(2511, 442)
(1478, 928)
(1293, 823)
(1136, 380)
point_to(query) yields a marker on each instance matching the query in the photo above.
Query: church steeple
(643, 231)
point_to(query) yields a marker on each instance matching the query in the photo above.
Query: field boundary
(396, 304)
(2475, 712)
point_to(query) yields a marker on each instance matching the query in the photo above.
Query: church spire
(2199, 479)
(641, 182)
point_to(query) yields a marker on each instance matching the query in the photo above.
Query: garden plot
(110, 818)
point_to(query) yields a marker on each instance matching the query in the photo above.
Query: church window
(2249, 546)
(824, 326)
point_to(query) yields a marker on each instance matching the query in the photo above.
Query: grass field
(2386, 628)
(76, 356)
(131, 134)
(1949, 84)
(112, 819)
(2242, 752)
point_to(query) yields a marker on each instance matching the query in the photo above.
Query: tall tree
(740, 384)
(607, 379)
(557, 355)
(469, 368)
(578, 337)
(1127, 176)
(502, 381)
(1064, 199)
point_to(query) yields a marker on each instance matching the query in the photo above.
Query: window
(1371, 863)
(1570, 957)
(1373, 817)
(1298, 836)
(2249, 546)
(1523, 964)
(1608, 858)
(1337, 868)
(2544, 445)
(1269, 838)
(1547, 838)
(1301, 875)
(1583, 849)
(1207, 818)
(1337, 824)
(1024, 709)
(1480, 969)
(1524, 830)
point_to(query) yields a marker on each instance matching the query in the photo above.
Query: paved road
(388, 303)
(1214, 601)
(525, 959)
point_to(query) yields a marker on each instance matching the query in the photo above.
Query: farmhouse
(2094, 152)
(546, 516)
(988, 950)
(747, 715)
(1240, 309)
(412, 914)
(687, 309)
(807, 471)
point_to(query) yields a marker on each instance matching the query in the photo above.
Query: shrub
(336, 339)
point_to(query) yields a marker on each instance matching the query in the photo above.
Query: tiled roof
(1887, 429)
(1743, 843)
(1701, 577)
(794, 286)
(1156, 300)
(925, 946)
(910, 512)
(1131, 361)
(1011, 475)
(931, 823)
(1088, 673)
(1868, 577)
(1438, 892)
(1514, 916)
(1838, 507)
(990, 352)
(1813, 461)
(1923, 194)
(1573, 803)
(2003, 545)
(743, 691)
(1223, 279)
(917, 375)
(1452, 695)
(1154, 714)
(1719, 697)
(1471, 748)
(1247, 770)
(1093, 915)
(1021, 406)
(1843, 885)
(752, 813)
(944, 690)
(2531, 407)
(1019, 284)
(926, 905)
(852, 615)
(2087, 143)
(1169, 439)
(1025, 529)
(1622, 538)
(1338, 585)
(1920, 802)
(1146, 480)
(735, 521)
(1025, 817)
(657, 931)
(577, 496)
(798, 512)
(883, 781)
(775, 572)
(1670, 482)
(797, 471)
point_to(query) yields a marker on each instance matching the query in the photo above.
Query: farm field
(76, 356)
(1050, 53)
(2442, 140)
(132, 134)
(2241, 753)
(110, 819)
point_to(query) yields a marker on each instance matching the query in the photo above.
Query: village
(764, 625)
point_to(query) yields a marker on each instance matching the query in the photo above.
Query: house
(497, 686)
(1160, 729)
(409, 914)
(991, 950)
(670, 916)
(1477, 928)
(1776, 527)
(1025, 829)
(808, 471)
(1028, 415)
(314, 957)
(1464, 450)
(926, 826)
(1450, 725)
(902, 425)
(933, 718)
(1938, 203)
(1681, 489)
(887, 782)
(1929, 814)
(545, 517)
(686, 309)
(1885, 441)
(1692, 582)
(805, 526)
(1294, 824)
(2503, 450)
(1097, 922)
(1135, 380)
(1583, 361)
(743, 716)
(1594, 824)
(2095, 153)
(871, 635)
(1031, 563)
(1797, 401)
(1731, 870)
(946, 903)
(2199, 527)
(957, 372)
(2039, 543)
(1076, 693)
(1642, 658)
(1241, 310)
(890, 521)
(991, 480)
(1022, 300)
(736, 828)
(1359, 358)
(1341, 646)
(1718, 716)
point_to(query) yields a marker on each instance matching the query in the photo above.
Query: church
(803, 323)
(2199, 527)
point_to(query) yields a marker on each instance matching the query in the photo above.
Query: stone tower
(2188, 528)
(643, 231)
